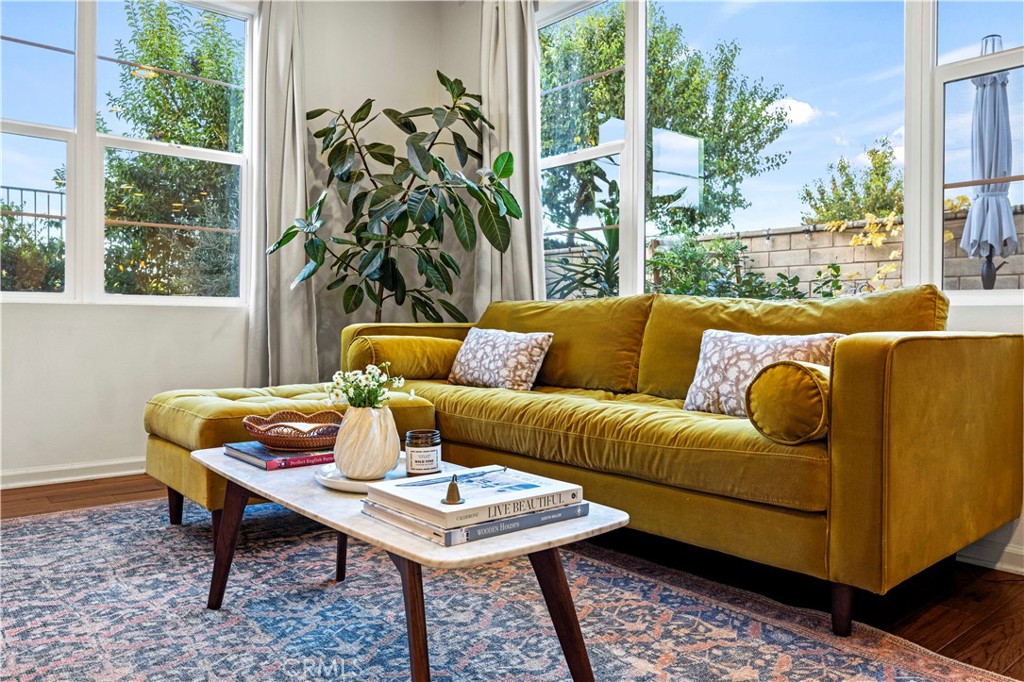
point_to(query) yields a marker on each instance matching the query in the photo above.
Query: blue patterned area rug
(113, 593)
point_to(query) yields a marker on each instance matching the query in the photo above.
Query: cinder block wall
(803, 251)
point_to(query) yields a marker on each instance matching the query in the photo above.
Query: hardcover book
(478, 531)
(489, 493)
(255, 453)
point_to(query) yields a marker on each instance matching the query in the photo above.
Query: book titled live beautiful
(255, 453)
(477, 531)
(490, 493)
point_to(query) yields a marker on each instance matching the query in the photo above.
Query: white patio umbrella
(989, 228)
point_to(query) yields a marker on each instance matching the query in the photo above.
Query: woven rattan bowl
(277, 430)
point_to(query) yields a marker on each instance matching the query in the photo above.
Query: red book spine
(303, 461)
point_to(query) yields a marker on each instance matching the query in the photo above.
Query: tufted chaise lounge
(179, 422)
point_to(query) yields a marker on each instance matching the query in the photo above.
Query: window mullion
(631, 211)
(165, 149)
(581, 155)
(85, 231)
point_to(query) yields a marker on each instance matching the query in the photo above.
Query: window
(740, 167)
(582, 138)
(127, 174)
(979, 90)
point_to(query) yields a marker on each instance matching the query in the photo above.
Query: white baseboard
(997, 555)
(64, 473)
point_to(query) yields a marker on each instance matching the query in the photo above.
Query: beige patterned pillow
(493, 358)
(729, 361)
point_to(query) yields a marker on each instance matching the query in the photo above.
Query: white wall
(75, 379)
(1003, 549)
(388, 51)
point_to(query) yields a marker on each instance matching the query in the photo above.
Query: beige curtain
(282, 321)
(509, 85)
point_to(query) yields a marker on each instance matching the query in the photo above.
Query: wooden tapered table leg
(230, 520)
(341, 559)
(415, 617)
(547, 564)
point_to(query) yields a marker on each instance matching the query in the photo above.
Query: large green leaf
(363, 112)
(503, 165)
(307, 272)
(453, 312)
(450, 263)
(400, 224)
(370, 262)
(316, 249)
(511, 205)
(400, 289)
(465, 228)
(337, 283)
(420, 111)
(379, 151)
(287, 236)
(429, 270)
(494, 226)
(445, 118)
(382, 194)
(315, 113)
(419, 158)
(353, 298)
(421, 207)
(399, 119)
(461, 148)
(348, 190)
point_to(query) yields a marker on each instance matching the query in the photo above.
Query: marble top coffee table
(297, 490)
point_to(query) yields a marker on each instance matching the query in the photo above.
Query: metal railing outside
(41, 211)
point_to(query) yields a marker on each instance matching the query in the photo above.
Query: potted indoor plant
(402, 206)
(367, 445)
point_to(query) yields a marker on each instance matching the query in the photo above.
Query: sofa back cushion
(596, 342)
(672, 338)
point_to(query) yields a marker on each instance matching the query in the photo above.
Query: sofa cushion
(729, 361)
(655, 442)
(596, 344)
(495, 358)
(672, 338)
(788, 401)
(196, 419)
(412, 357)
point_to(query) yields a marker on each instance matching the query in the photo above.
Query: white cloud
(797, 113)
(842, 140)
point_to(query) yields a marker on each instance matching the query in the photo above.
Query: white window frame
(924, 111)
(630, 149)
(84, 225)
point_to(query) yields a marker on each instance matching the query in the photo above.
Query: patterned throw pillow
(493, 358)
(729, 361)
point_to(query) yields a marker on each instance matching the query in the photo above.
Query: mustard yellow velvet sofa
(923, 454)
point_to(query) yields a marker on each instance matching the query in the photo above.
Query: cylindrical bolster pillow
(412, 357)
(788, 402)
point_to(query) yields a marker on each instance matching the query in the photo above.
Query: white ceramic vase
(367, 445)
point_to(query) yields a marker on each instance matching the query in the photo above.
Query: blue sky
(840, 63)
(38, 85)
(841, 66)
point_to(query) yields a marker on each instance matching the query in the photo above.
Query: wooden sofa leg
(175, 504)
(842, 609)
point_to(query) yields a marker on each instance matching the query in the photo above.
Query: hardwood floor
(971, 614)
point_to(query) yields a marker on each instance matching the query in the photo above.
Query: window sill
(123, 300)
(982, 298)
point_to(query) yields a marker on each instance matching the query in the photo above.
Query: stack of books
(258, 454)
(497, 500)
